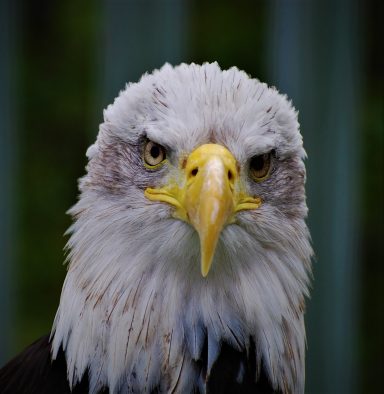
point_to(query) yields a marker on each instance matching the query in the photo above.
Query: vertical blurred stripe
(314, 58)
(7, 170)
(138, 37)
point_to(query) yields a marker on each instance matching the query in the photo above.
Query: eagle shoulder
(33, 372)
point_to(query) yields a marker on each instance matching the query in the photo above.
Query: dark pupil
(257, 163)
(155, 151)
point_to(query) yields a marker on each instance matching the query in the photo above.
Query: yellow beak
(208, 197)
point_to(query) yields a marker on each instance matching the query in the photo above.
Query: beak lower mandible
(209, 197)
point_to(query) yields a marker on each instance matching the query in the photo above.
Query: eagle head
(189, 238)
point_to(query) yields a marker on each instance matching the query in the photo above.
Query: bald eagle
(189, 256)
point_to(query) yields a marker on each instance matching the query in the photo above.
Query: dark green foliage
(56, 99)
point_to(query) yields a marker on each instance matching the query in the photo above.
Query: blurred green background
(62, 62)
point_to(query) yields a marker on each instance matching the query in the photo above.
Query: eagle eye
(154, 153)
(260, 166)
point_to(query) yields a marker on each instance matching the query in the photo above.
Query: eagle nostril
(230, 175)
(194, 171)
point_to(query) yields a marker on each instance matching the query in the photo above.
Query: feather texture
(135, 312)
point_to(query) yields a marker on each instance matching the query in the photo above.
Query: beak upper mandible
(209, 196)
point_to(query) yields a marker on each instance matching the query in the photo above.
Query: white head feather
(134, 306)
